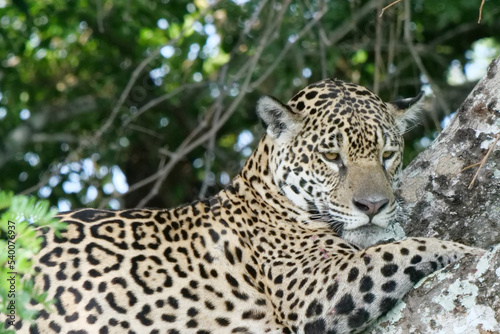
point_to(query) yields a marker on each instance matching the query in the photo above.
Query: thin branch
(480, 163)
(391, 51)
(378, 53)
(135, 75)
(161, 173)
(349, 25)
(94, 139)
(480, 11)
(454, 31)
(249, 24)
(394, 77)
(244, 68)
(396, 82)
(389, 6)
(322, 53)
(100, 16)
(165, 169)
(483, 161)
(244, 87)
(154, 102)
(416, 57)
(268, 35)
(187, 146)
(209, 154)
(54, 137)
(210, 151)
(468, 167)
(144, 130)
(270, 69)
(175, 157)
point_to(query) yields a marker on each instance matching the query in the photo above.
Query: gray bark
(463, 298)
(436, 202)
(435, 197)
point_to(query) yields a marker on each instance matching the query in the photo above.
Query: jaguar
(292, 245)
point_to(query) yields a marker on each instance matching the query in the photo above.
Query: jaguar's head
(337, 153)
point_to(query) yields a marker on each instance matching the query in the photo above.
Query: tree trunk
(439, 200)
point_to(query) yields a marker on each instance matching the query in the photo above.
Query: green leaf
(23, 215)
(360, 57)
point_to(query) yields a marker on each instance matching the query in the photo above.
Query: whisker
(411, 127)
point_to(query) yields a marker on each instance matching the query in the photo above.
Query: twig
(378, 53)
(54, 137)
(100, 16)
(268, 35)
(483, 161)
(182, 150)
(154, 102)
(209, 154)
(135, 75)
(210, 151)
(349, 25)
(461, 29)
(270, 69)
(246, 84)
(147, 131)
(464, 169)
(322, 49)
(189, 144)
(218, 104)
(162, 173)
(480, 11)
(416, 57)
(390, 5)
(322, 52)
(94, 139)
(391, 53)
(243, 35)
(393, 77)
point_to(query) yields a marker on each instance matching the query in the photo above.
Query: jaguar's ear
(279, 119)
(406, 111)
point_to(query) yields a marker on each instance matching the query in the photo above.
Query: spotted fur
(285, 248)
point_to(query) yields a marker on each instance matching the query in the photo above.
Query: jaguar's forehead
(334, 111)
(331, 97)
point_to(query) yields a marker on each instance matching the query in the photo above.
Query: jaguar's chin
(369, 235)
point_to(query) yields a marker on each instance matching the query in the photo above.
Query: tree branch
(154, 102)
(378, 53)
(389, 6)
(416, 57)
(190, 143)
(93, 139)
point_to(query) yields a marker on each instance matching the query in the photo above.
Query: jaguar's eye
(388, 154)
(330, 156)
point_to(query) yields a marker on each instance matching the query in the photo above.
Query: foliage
(163, 91)
(20, 217)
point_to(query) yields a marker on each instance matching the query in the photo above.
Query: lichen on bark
(436, 201)
(435, 197)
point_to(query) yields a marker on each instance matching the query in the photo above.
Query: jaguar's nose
(370, 207)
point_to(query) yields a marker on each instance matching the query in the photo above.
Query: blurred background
(118, 104)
